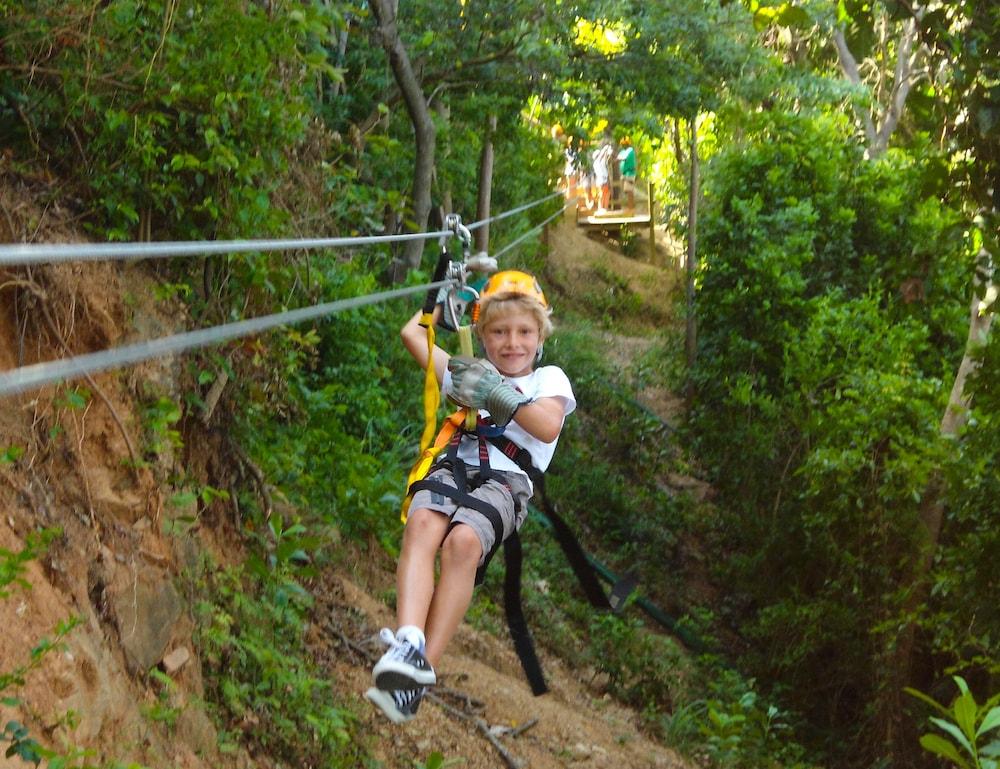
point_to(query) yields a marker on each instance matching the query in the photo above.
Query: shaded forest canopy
(830, 172)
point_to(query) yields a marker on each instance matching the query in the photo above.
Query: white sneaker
(399, 706)
(403, 666)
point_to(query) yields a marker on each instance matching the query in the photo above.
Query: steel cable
(29, 377)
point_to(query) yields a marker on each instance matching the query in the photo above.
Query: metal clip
(453, 222)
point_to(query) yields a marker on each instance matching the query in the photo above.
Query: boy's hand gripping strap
(465, 343)
(432, 393)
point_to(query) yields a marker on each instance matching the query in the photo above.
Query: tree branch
(850, 66)
(903, 80)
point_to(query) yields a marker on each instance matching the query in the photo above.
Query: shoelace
(406, 697)
(399, 647)
(387, 637)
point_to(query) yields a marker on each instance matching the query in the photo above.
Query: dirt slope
(482, 690)
(113, 568)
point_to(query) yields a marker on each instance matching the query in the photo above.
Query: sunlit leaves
(606, 37)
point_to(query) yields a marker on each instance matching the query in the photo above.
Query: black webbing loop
(516, 622)
(570, 545)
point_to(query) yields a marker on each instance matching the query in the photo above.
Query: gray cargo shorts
(504, 491)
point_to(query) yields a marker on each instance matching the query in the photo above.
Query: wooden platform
(610, 220)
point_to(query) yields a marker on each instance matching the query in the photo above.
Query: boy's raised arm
(542, 418)
(414, 338)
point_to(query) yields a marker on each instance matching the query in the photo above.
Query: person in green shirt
(627, 165)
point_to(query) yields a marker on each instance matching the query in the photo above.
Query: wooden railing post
(652, 222)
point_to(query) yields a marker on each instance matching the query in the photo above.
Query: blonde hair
(497, 306)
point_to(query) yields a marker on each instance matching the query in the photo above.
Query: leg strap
(465, 499)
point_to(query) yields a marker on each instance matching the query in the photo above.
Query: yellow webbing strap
(427, 455)
(432, 399)
(432, 393)
(465, 344)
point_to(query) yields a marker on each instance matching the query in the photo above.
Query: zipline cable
(530, 232)
(41, 253)
(519, 209)
(29, 377)
(50, 253)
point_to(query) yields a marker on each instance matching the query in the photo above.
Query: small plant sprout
(967, 726)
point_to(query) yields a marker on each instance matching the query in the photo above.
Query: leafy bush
(819, 391)
(261, 681)
(181, 119)
(19, 741)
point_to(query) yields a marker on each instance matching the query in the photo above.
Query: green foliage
(819, 394)
(19, 741)
(734, 727)
(642, 668)
(12, 564)
(163, 710)
(964, 621)
(22, 744)
(176, 116)
(160, 418)
(967, 725)
(436, 760)
(261, 681)
(337, 452)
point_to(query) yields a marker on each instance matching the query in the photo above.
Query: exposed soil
(113, 556)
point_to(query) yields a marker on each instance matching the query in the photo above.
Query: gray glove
(476, 383)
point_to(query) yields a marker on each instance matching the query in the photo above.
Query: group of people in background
(590, 169)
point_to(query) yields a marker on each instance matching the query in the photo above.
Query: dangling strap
(516, 622)
(570, 545)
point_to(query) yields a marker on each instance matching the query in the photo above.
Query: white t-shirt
(544, 382)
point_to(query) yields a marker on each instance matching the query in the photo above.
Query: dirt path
(483, 691)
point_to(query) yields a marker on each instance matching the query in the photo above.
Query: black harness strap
(460, 493)
(564, 534)
(516, 623)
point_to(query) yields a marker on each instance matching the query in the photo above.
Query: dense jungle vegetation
(831, 168)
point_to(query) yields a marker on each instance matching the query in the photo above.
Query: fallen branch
(511, 761)
(214, 393)
(471, 705)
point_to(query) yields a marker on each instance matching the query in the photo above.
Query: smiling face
(511, 340)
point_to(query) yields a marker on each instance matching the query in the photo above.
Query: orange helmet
(510, 282)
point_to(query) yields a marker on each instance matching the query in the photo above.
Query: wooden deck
(610, 220)
(616, 217)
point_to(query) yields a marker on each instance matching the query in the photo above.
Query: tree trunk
(443, 111)
(484, 201)
(423, 131)
(342, 54)
(902, 735)
(691, 327)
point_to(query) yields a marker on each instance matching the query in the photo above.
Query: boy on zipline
(528, 406)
